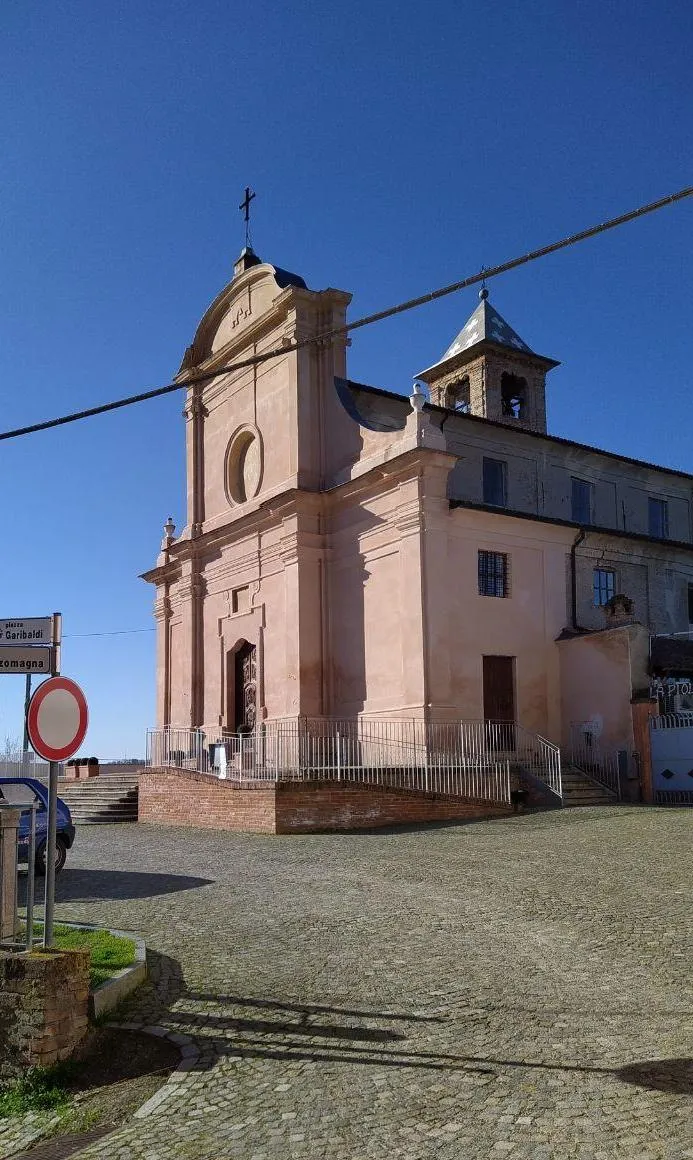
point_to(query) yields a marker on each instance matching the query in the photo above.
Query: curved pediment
(239, 305)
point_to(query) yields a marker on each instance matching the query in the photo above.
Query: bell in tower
(489, 371)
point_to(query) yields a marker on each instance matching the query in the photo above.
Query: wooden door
(246, 687)
(499, 688)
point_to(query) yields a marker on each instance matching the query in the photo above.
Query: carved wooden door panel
(246, 687)
(250, 688)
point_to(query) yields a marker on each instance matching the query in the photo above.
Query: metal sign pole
(25, 741)
(49, 907)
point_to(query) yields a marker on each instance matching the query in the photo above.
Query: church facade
(350, 552)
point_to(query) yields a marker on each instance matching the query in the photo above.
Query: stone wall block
(44, 999)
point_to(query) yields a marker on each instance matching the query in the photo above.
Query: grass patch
(111, 1075)
(42, 1089)
(109, 952)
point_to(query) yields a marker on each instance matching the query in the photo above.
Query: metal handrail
(470, 758)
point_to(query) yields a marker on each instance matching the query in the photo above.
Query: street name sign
(18, 659)
(27, 630)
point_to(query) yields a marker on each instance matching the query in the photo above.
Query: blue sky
(393, 149)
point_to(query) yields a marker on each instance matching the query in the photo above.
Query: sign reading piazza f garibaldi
(19, 638)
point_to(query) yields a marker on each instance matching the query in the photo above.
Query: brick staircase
(103, 800)
(581, 790)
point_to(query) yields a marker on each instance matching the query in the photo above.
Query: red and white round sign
(57, 719)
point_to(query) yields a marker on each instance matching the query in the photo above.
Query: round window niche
(243, 466)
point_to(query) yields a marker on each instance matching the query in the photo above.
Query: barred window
(493, 574)
(604, 586)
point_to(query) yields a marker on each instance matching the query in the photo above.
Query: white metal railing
(471, 759)
(27, 766)
(598, 763)
(519, 746)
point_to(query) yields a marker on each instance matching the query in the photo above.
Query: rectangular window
(658, 518)
(581, 501)
(493, 574)
(690, 603)
(604, 586)
(240, 599)
(495, 473)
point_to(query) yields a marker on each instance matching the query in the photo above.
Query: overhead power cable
(367, 320)
(113, 632)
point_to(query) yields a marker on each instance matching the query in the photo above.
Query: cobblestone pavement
(517, 988)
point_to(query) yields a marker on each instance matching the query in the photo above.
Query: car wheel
(60, 856)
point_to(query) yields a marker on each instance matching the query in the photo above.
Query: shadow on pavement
(310, 1008)
(244, 1028)
(232, 1025)
(87, 885)
(662, 1075)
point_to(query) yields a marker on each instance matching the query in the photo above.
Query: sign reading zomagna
(14, 659)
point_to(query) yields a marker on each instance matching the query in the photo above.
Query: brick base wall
(44, 1000)
(314, 806)
(176, 797)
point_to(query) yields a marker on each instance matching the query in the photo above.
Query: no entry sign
(57, 719)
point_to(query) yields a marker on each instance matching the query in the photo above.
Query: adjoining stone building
(349, 551)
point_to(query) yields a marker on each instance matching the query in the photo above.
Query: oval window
(243, 467)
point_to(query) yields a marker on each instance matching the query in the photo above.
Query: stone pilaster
(195, 414)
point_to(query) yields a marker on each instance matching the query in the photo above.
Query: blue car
(21, 791)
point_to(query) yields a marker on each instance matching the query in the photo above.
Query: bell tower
(489, 371)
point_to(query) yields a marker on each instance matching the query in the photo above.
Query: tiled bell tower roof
(485, 324)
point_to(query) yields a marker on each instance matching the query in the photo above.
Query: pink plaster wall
(598, 673)
(465, 626)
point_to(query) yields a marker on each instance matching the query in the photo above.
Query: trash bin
(518, 799)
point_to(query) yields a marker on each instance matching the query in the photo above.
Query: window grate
(493, 574)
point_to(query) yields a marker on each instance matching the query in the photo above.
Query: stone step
(99, 782)
(89, 792)
(586, 798)
(103, 817)
(105, 820)
(591, 793)
(111, 811)
(70, 795)
(101, 802)
(581, 790)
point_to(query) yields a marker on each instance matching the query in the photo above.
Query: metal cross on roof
(245, 206)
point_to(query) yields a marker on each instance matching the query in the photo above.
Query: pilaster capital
(195, 408)
(192, 588)
(163, 608)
